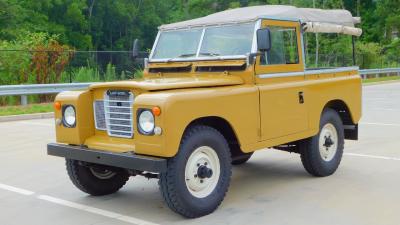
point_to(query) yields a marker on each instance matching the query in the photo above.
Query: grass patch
(29, 109)
(379, 79)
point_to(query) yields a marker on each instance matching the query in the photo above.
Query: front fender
(239, 105)
(83, 103)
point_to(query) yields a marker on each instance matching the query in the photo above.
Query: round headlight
(146, 122)
(69, 116)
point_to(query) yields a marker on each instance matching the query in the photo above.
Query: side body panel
(321, 88)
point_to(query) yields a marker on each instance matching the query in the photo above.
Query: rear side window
(283, 47)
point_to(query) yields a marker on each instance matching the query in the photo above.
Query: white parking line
(16, 190)
(372, 156)
(381, 124)
(90, 209)
(74, 205)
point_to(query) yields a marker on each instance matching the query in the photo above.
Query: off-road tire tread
(306, 161)
(309, 159)
(168, 190)
(80, 183)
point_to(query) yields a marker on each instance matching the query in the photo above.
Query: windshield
(173, 44)
(230, 40)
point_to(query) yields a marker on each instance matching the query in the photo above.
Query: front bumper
(121, 160)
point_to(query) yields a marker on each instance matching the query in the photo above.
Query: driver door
(280, 79)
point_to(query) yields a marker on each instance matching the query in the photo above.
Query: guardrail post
(24, 100)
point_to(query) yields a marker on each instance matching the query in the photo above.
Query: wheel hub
(202, 171)
(102, 174)
(328, 142)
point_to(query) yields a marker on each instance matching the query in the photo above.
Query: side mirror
(135, 49)
(264, 39)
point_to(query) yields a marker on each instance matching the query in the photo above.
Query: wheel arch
(342, 109)
(224, 127)
(350, 127)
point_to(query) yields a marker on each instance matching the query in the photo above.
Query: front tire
(321, 154)
(96, 180)
(198, 177)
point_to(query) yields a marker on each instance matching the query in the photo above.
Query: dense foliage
(114, 24)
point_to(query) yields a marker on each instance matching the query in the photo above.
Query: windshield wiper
(190, 55)
(209, 54)
(181, 56)
(186, 55)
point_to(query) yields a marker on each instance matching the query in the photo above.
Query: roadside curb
(26, 117)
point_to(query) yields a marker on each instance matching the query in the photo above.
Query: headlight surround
(146, 122)
(69, 116)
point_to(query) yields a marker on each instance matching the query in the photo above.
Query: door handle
(301, 97)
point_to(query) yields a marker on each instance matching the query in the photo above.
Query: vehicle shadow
(251, 183)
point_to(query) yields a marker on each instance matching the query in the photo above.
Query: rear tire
(96, 181)
(321, 154)
(198, 177)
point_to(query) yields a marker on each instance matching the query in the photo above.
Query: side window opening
(283, 47)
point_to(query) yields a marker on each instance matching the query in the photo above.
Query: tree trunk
(91, 8)
(90, 14)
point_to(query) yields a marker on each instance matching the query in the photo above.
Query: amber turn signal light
(156, 111)
(57, 105)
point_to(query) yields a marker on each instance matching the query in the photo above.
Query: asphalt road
(272, 188)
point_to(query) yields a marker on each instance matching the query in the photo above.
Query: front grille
(116, 113)
(99, 115)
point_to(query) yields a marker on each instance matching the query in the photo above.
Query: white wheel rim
(103, 175)
(328, 142)
(198, 186)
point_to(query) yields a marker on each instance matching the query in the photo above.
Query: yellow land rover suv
(215, 89)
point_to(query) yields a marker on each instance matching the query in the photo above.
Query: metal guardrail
(375, 73)
(31, 89)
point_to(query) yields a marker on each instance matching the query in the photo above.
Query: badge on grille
(117, 93)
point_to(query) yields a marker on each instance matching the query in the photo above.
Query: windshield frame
(257, 25)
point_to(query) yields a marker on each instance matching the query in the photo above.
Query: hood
(153, 84)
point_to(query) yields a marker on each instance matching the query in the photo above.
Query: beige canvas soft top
(316, 20)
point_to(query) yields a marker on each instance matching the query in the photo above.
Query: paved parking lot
(272, 188)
